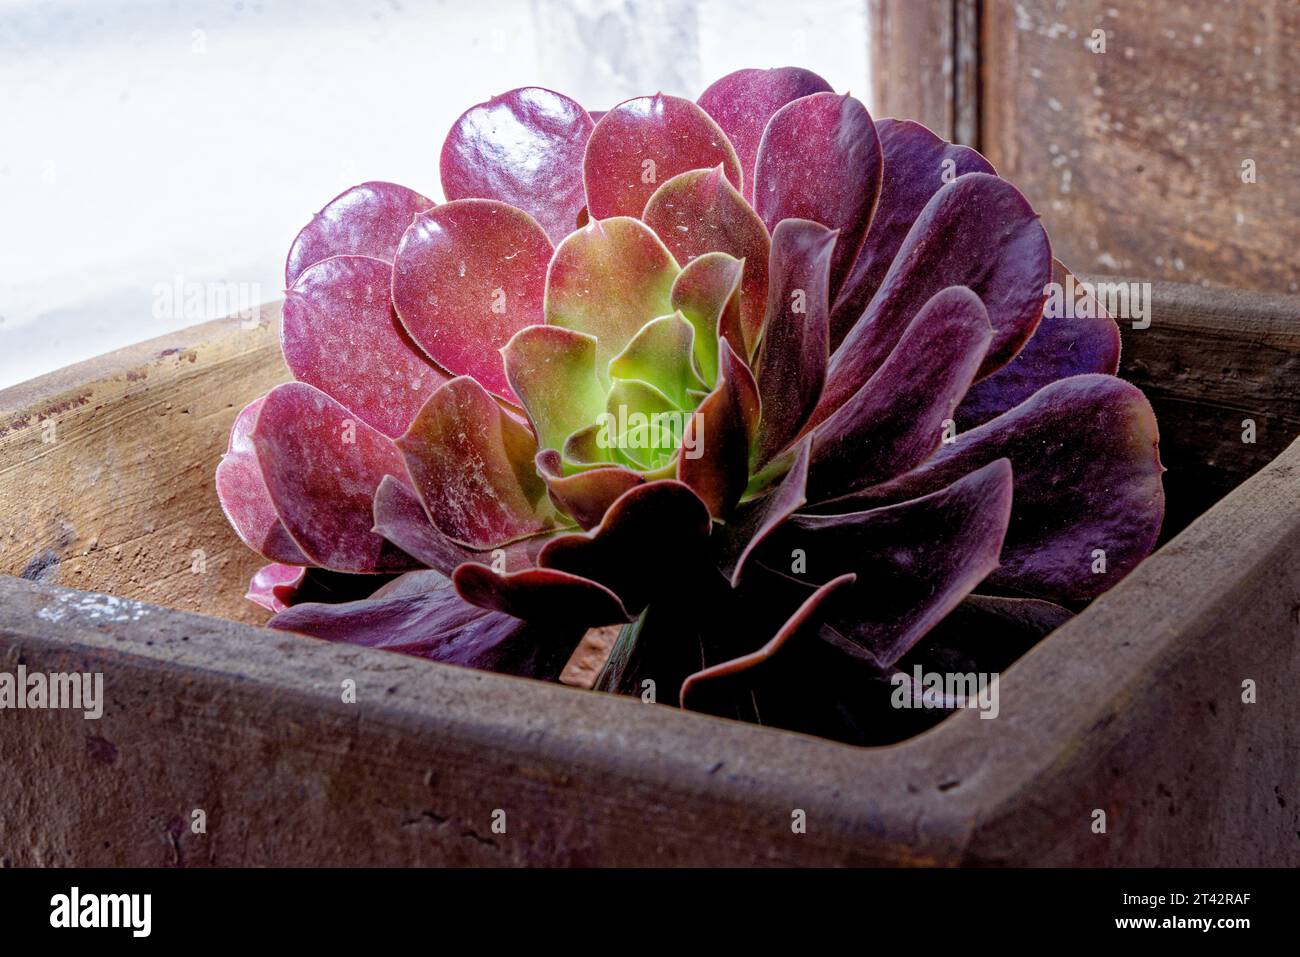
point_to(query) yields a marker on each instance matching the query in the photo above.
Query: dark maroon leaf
(752, 523)
(540, 594)
(714, 457)
(914, 561)
(652, 535)
(439, 625)
(820, 160)
(793, 350)
(742, 103)
(896, 420)
(1084, 452)
(977, 231)
(1071, 339)
(917, 163)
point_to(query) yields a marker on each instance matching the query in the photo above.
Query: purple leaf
(978, 232)
(468, 276)
(751, 527)
(366, 220)
(896, 420)
(742, 103)
(524, 148)
(917, 163)
(647, 141)
(341, 335)
(820, 160)
(1072, 339)
(793, 351)
(244, 497)
(322, 465)
(914, 561)
(439, 625)
(1084, 451)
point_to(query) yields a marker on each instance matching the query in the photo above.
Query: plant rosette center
(781, 390)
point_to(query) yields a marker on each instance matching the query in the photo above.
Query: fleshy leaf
(400, 518)
(589, 446)
(743, 102)
(646, 141)
(341, 335)
(917, 163)
(553, 372)
(977, 231)
(642, 425)
(467, 276)
(914, 561)
(540, 594)
(662, 354)
(794, 350)
(436, 623)
(760, 518)
(322, 466)
(985, 633)
(366, 220)
(805, 615)
(244, 497)
(608, 280)
(707, 293)
(272, 585)
(714, 459)
(700, 212)
(524, 148)
(896, 420)
(651, 534)
(820, 159)
(585, 496)
(1087, 476)
(1073, 338)
(472, 465)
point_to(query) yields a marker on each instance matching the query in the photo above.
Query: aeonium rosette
(765, 381)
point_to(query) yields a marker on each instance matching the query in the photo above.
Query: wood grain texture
(121, 497)
(1134, 156)
(912, 61)
(1211, 361)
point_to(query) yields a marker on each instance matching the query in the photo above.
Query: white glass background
(155, 148)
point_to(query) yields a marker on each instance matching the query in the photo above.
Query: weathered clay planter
(1134, 708)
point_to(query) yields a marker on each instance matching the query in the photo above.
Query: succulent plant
(765, 381)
